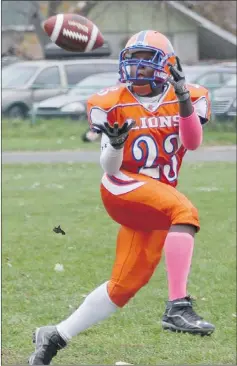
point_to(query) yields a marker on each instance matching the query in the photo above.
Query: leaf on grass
(58, 267)
(35, 185)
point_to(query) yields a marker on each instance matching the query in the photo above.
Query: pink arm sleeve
(190, 131)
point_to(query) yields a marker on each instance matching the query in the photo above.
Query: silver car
(210, 76)
(29, 82)
(224, 101)
(73, 104)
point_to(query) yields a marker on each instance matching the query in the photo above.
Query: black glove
(117, 135)
(178, 81)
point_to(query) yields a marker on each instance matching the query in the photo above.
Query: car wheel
(16, 112)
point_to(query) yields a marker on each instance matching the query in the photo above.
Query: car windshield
(15, 76)
(192, 72)
(232, 81)
(94, 83)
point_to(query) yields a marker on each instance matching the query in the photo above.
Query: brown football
(73, 32)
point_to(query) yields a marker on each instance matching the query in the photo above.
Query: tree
(222, 13)
(52, 7)
(36, 20)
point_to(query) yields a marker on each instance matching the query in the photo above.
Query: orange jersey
(153, 147)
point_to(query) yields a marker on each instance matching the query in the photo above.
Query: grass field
(36, 198)
(58, 134)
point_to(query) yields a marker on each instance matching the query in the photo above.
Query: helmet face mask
(157, 61)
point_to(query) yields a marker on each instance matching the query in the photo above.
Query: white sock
(97, 306)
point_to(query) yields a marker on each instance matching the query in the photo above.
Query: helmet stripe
(141, 37)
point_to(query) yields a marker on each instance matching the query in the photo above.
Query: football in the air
(73, 32)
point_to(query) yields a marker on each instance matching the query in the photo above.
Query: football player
(148, 124)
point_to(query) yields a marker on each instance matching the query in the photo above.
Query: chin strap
(144, 90)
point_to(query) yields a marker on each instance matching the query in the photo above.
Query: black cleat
(179, 317)
(47, 342)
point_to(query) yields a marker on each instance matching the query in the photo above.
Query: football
(73, 32)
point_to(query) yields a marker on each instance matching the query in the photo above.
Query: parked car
(52, 52)
(25, 83)
(193, 72)
(73, 104)
(224, 101)
(211, 77)
(8, 60)
(227, 63)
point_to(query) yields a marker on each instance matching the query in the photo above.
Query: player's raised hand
(117, 135)
(177, 79)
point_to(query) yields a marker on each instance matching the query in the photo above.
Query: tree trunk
(36, 21)
(52, 7)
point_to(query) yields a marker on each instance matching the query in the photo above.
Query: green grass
(45, 135)
(66, 134)
(35, 198)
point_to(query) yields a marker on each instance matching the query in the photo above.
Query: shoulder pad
(197, 91)
(107, 98)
